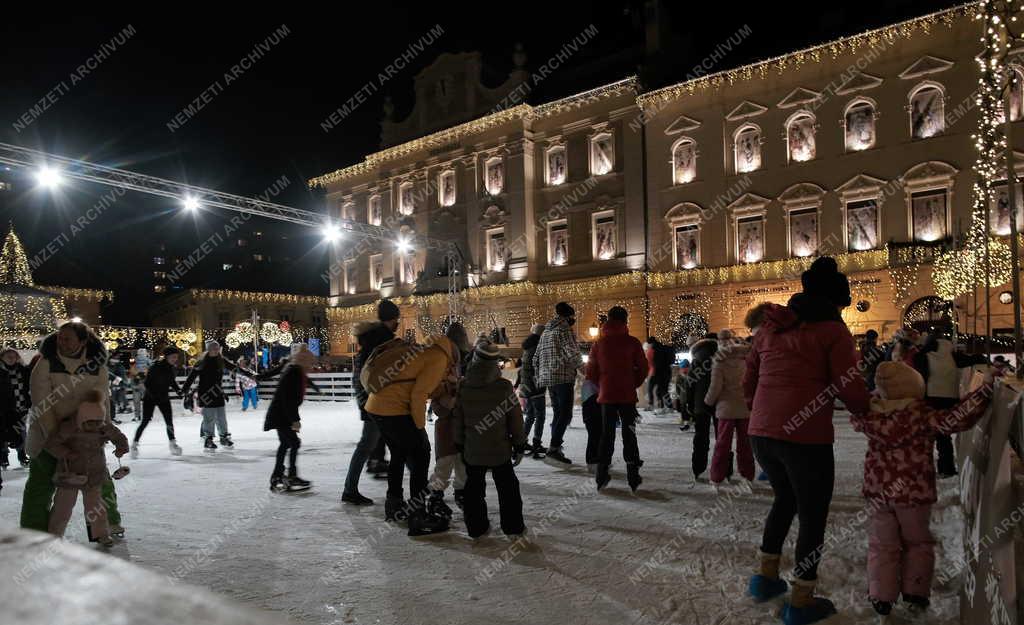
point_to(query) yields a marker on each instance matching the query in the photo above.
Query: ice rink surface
(674, 552)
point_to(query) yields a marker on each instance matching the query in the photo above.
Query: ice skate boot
(556, 458)
(134, 452)
(105, 541)
(173, 446)
(539, 451)
(633, 475)
(883, 609)
(296, 483)
(766, 584)
(916, 606)
(226, 442)
(209, 445)
(356, 499)
(803, 607)
(601, 476)
(437, 506)
(460, 498)
(116, 530)
(395, 510)
(277, 483)
(422, 523)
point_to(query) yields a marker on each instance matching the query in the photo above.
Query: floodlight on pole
(331, 233)
(48, 177)
(191, 203)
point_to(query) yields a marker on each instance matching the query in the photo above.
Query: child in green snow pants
(39, 490)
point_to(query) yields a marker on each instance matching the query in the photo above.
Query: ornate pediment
(802, 192)
(928, 173)
(797, 97)
(925, 65)
(859, 82)
(745, 110)
(861, 182)
(748, 203)
(682, 124)
(686, 211)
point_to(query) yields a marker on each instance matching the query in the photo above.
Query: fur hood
(95, 355)
(703, 349)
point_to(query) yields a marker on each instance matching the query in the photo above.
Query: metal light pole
(255, 340)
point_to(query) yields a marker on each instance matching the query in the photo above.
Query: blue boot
(803, 607)
(766, 584)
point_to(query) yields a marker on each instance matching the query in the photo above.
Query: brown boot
(804, 607)
(803, 593)
(769, 565)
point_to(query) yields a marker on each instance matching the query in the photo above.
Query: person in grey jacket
(489, 434)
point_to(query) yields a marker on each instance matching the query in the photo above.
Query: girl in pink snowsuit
(899, 481)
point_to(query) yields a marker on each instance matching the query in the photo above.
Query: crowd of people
(766, 400)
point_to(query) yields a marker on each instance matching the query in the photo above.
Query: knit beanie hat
(563, 309)
(486, 350)
(823, 279)
(538, 328)
(896, 380)
(210, 344)
(388, 311)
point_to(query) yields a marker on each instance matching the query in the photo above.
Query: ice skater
(210, 373)
(158, 381)
(246, 386)
(82, 466)
(283, 416)
(899, 481)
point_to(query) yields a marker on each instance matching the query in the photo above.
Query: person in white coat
(725, 393)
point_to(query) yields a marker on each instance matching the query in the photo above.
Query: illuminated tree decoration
(26, 312)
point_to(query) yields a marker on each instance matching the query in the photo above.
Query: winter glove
(297, 426)
(517, 454)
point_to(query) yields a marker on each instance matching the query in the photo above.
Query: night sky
(265, 124)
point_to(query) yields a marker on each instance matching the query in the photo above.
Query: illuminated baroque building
(860, 148)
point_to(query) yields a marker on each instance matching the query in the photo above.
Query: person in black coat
(14, 404)
(210, 373)
(702, 354)
(283, 416)
(159, 381)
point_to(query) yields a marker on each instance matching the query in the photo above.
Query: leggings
(148, 404)
(289, 444)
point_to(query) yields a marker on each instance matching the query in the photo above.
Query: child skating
(899, 482)
(283, 416)
(78, 445)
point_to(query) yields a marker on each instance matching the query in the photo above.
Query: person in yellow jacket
(400, 411)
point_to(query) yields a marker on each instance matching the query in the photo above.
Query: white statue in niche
(751, 240)
(686, 247)
(405, 200)
(860, 127)
(376, 218)
(409, 268)
(350, 278)
(559, 242)
(604, 234)
(862, 225)
(804, 233)
(495, 177)
(556, 166)
(748, 150)
(377, 272)
(926, 113)
(801, 139)
(448, 188)
(685, 161)
(496, 251)
(602, 155)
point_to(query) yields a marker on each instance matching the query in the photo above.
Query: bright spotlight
(331, 233)
(49, 178)
(191, 203)
(76, 319)
(404, 247)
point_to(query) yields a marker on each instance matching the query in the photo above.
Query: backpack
(386, 362)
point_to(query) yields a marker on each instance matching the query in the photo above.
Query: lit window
(406, 203)
(605, 235)
(747, 148)
(350, 277)
(160, 275)
(927, 111)
(159, 288)
(602, 154)
(750, 239)
(257, 257)
(223, 320)
(158, 260)
(1000, 212)
(376, 272)
(1016, 94)
(408, 265)
(259, 235)
(555, 165)
(800, 139)
(928, 215)
(497, 254)
(494, 175)
(242, 243)
(687, 246)
(684, 161)
(348, 211)
(446, 188)
(803, 232)
(227, 267)
(859, 121)
(558, 243)
(376, 216)
(862, 225)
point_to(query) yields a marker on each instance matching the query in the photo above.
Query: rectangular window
(376, 216)
(497, 255)
(605, 236)
(558, 243)
(928, 215)
(223, 320)
(687, 246)
(1000, 212)
(376, 271)
(446, 188)
(158, 260)
(160, 275)
(494, 176)
(227, 266)
(350, 277)
(803, 232)
(750, 239)
(159, 288)
(408, 261)
(862, 225)
(602, 154)
(556, 167)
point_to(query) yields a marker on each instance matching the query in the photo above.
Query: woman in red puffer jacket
(802, 359)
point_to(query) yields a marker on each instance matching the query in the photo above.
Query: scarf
(18, 387)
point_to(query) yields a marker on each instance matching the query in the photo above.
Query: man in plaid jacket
(556, 362)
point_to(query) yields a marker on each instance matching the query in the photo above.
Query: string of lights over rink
(52, 170)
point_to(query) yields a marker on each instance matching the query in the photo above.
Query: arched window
(800, 139)
(684, 160)
(556, 171)
(494, 175)
(1016, 93)
(859, 122)
(927, 110)
(747, 148)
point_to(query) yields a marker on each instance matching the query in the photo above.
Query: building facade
(691, 203)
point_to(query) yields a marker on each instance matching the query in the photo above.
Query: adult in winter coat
(283, 416)
(208, 374)
(702, 354)
(661, 360)
(940, 365)
(557, 361)
(72, 363)
(400, 410)
(159, 381)
(618, 366)
(725, 393)
(531, 392)
(870, 356)
(15, 402)
(488, 426)
(802, 358)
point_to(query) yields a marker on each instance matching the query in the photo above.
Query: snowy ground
(673, 553)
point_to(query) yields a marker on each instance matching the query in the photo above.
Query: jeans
(802, 477)
(212, 416)
(288, 444)
(561, 405)
(626, 415)
(443, 469)
(901, 552)
(148, 404)
(510, 502)
(408, 444)
(250, 396)
(138, 392)
(366, 445)
(721, 462)
(39, 490)
(535, 416)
